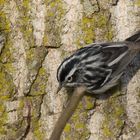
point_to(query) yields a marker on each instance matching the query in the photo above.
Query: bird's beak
(59, 88)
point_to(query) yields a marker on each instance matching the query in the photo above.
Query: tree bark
(38, 35)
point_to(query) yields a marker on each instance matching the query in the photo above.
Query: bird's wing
(117, 56)
(113, 53)
(113, 58)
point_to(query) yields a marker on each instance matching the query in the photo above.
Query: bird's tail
(135, 37)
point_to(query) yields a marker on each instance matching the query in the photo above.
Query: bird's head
(79, 69)
(69, 72)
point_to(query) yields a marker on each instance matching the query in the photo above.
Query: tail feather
(135, 37)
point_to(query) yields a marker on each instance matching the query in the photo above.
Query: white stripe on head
(63, 65)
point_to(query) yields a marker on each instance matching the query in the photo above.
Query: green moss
(90, 24)
(21, 104)
(37, 133)
(30, 55)
(35, 55)
(9, 67)
(68, 138)
(6, 58)
(5, 97)
(3, 118)
(4, 22)
(6, 84)
(107, 132)
(114, 114)
(87, 28)
(137, 2)
(103, 23)
(7, 87)
(2, 109)
(27, 30)
(119, 123)
(119, 111)
(67, 128)
(2, 1)
(58, 5)
(77, 125)
(25, 22)
(75, 117)
(39, 87)
(26, 3)
(138, 126)
(2, 130)
(36, 127)
(45, 40)
(3, 83)
(55, 13)
(89, 104)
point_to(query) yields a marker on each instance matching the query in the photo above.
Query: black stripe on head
(66, 66)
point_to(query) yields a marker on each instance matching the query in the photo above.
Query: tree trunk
(39, 34)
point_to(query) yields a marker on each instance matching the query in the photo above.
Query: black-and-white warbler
(98, 66)
(95, 69)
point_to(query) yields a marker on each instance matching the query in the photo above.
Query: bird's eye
(69, 79)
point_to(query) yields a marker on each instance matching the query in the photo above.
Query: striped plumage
(98, 66)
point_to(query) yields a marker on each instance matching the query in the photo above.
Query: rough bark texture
(29, 107)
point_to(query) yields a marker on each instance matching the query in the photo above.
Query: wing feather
(111, 57)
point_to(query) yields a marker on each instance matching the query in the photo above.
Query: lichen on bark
(29, 107)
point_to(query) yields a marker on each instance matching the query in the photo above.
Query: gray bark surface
(38, 35)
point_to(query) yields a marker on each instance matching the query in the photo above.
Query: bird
(98, 66)
(95, 69)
